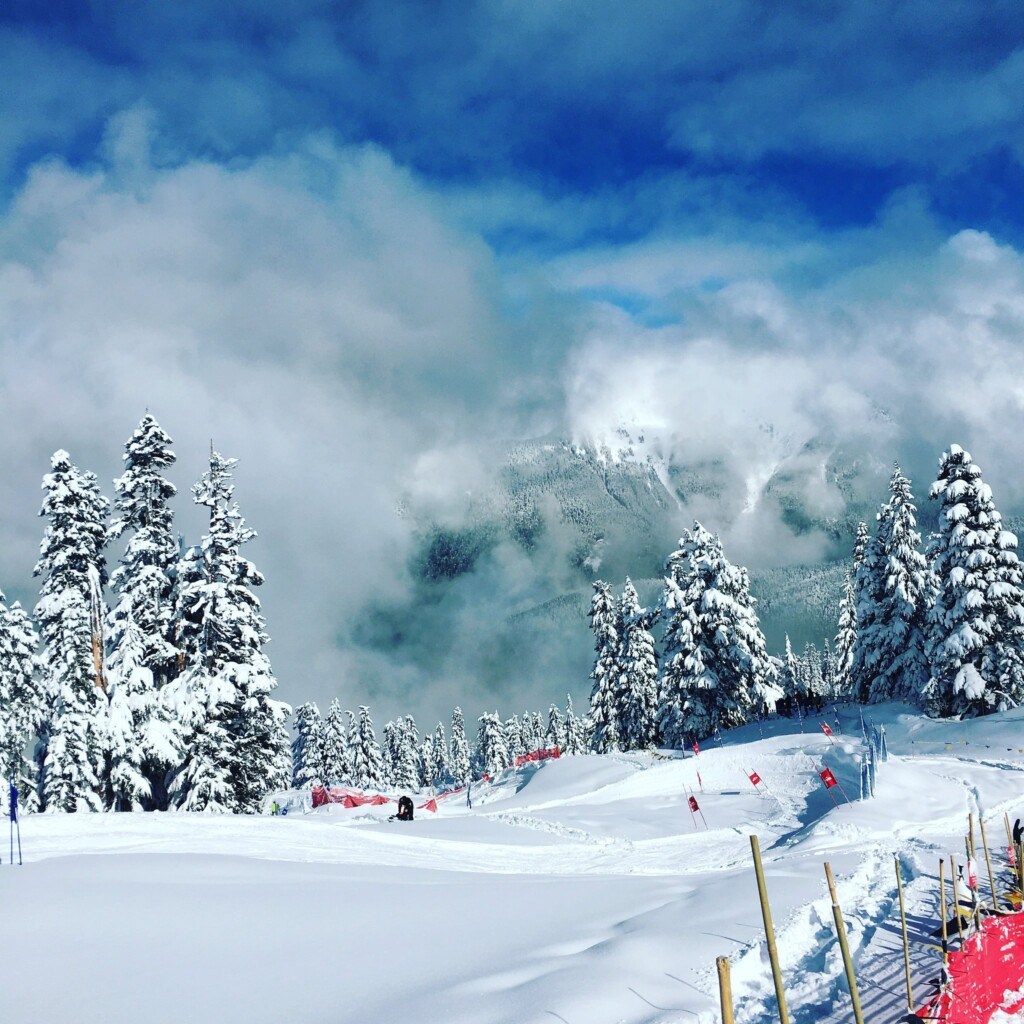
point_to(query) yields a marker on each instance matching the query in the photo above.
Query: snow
(575, 890)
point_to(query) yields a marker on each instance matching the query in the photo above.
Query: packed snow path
(577, 891)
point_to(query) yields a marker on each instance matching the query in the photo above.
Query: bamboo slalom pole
(1009, 836)
(725, 989)
(906, 940)
(956, 899)
(769, 931)
(988, 863)
(942, 896)
(844, 947)
(970, 832)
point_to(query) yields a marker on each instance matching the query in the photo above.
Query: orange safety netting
(537, 755)
(985, 976)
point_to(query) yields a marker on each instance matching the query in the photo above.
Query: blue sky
(362, 244)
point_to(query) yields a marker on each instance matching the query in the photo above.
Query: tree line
(149, 689)
(940, 626)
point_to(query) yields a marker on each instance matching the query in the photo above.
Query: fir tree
(441, 757)
(337, 765)
(492, 753)
(575, 737)
(975, 627)
(555, 736)
(637, 664)
(22, 701)
(846, 639)
(604, 724)
(890, 635)
(459, 763)
(428, 763)
(517, 738)
(142, 741)
(828, 671)
(718, 668)
(143, 584)
(367, 766)
(70, 617)
(790, 678)
(239, 750)
(308, 761)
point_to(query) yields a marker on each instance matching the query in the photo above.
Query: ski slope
(578, 890)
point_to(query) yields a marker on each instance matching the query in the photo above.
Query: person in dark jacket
(404, 809)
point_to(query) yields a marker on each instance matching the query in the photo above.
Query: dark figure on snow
(404, 809)
(1017, 832)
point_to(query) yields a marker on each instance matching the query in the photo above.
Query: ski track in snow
(614, 899)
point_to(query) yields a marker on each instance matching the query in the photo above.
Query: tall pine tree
(976, 624)
(637, 665)
(604, 723)
(239, 749)
(70, 617)
(22, 701)
(717, 667)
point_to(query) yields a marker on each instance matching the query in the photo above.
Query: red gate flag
(825, 729)
(693, 804)
(755, 778)
(828, 778)
(696, 748)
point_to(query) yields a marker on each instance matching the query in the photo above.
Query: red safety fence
(347, 797)
(537, 755)
(985, 976)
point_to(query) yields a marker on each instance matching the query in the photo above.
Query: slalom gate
(985, 976)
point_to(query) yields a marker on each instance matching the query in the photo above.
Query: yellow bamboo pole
(906, 940)
(769, 931)
(725, 989)
(956, 898)
(988, 863)
(970, 832)
(844, 947)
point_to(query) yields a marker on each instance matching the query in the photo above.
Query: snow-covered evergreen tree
(889, 653)
(828, 671)
(716, 665)
(441, 756)
(846, 639)
(22, 701)
(975, 639)
(459, 764)
(555, 736)
(143, 584)
(308, 761)
(428, 763)
(70, 617)
(239, 748)
(367, 766)
(603, 719)
(637, 666)
(811, 679)
(576, 741)
(142, 740)
(790, 679)
(337, 764)
(492, 753)
(517, 735)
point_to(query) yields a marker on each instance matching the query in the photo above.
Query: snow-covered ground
(576, 890)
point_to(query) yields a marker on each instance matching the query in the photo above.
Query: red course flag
(828, 778)
(693, 804)
(825, 729)
(755, 778)
(696, 748)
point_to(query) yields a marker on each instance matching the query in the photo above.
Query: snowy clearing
(576, 890)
